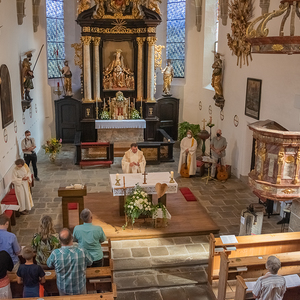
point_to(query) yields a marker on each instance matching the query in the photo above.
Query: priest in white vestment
(134, 160)
(188, 147)
(21, 178)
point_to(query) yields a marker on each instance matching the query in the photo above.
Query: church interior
(91, 79)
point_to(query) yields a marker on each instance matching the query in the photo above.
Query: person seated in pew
(9, 242)
(90, 237)
(133, 160)
(30, 274)
(270, 286)
(6, 264)
(45, 241)
(70, 263)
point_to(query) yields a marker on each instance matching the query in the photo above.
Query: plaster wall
(14, 41)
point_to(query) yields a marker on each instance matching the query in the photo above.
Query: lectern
(71, 196)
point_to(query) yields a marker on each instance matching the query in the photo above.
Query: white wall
(14, 40)
(280, 84)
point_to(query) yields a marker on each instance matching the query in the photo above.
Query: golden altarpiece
(118, 40)
(277, 161)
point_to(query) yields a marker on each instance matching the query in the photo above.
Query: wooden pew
(250, 245)
(253, 267)
(242, 294)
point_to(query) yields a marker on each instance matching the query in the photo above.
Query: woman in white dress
(21, 179)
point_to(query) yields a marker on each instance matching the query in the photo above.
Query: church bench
(253, 267)
(250, 245)
(10, 199)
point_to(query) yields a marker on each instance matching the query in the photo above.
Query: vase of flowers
(105, 115)
(135, 115)
(52, 147)
(137, 204)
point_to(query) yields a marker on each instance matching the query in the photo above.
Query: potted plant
(185, 126)
(160, 212)
(52, 147)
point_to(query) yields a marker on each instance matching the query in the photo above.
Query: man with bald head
(218, 146)
(70, 263)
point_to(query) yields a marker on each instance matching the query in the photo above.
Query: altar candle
(117, 176)
(172, 174)
(104, 103)
(124, 180)
(142, 102)
(58, 84)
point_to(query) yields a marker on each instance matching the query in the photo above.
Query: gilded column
(140, 73)
(87, 84)
(280, 164)
(96, 69)
(150, 87)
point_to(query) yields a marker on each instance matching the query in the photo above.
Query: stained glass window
(176, 36)
(55, 37)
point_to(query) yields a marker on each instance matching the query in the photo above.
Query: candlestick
(172, 177)
(124, 181)
(172, 174)
(117, 180)
(58, 84)
(117, 176)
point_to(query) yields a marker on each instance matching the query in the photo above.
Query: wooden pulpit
(71, 196)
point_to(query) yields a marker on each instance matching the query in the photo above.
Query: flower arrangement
(137, 203)
(105, 115)
(52, 146)
(135, 114)
(161, 207)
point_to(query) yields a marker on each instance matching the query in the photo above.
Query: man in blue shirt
(70, 263)
(90, 237)
(9, 242)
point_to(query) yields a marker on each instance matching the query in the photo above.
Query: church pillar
(87, 86)
(140, 77)
(150, 87)
(96, 69)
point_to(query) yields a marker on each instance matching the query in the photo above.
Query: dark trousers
(33, 159)
(97, 263)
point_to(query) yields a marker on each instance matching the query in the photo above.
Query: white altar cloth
(110, 124)
(133, 178)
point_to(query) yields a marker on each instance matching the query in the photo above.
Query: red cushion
(190, 197)
(11, 192)
(185, 190)
(10, 199)
(9, 213)
(72, 206)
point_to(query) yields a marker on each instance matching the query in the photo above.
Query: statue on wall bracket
(117, 75)
(168, 75)
(27, 76)
(67, 75)
(217, 81)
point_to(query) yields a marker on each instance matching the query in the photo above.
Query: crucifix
(145, 174)
(204, 121)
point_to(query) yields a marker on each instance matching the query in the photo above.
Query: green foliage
(185, 126)
(104, 115)
(135, 114)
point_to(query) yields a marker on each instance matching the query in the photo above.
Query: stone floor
(161, 269)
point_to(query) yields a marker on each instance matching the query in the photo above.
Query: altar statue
(117, 72)
(119, 107)
(216, 81)
(67, 78)
(168, 74)
(134, 160)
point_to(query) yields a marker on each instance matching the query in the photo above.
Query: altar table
(132, 179)
(108, 124)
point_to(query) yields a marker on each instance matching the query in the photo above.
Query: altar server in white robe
(21, 178)
(134, 160)
(188, 147)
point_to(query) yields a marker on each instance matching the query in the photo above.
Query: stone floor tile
(214, 208)
(148, 242)
(140, 252)
(173, 294)
(177, 250)
(200, 239)
(195, 248)
(136, 282)
(121, 253)
(158, 251)
(165, 241)
(130, 244)
(198, 293)
(182, 240)
(148, 295)
(116, 244)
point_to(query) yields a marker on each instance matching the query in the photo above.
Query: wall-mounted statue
(168, 74)
(27, 76)
(117, 75)
(217, 80)
(67, 74)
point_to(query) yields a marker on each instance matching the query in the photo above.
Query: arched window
(176, 35)
(55, 36)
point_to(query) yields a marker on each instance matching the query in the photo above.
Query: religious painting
(5, 97)
(253, 94)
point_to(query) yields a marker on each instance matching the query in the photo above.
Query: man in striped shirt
(70, 263)
(270, 286)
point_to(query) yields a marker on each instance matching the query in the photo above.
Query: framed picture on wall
(253, 94)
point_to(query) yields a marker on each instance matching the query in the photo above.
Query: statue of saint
(168, 74)
(118, 71)
(66, 72)
(216, 81)
(27, 76)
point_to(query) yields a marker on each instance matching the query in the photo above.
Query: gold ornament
(78, 54)
(86, 40)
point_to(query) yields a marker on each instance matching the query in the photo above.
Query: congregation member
(188, 148)
(21, 178)
(6, 264)
(45, 241)
(28, 148)
(30, 274)
(70, 263)
(90, 237)
(9, 242)
(270, 286)
(134, 160)
(218, 145)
